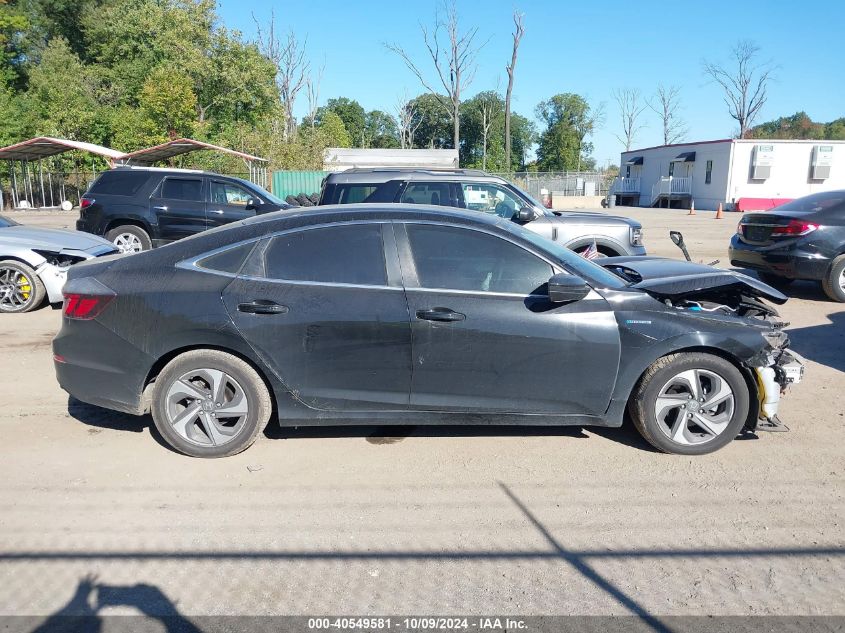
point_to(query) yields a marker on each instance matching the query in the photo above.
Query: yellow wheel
(20, 288)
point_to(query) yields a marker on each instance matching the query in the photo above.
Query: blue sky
(584, 47)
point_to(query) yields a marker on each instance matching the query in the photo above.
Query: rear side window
(182, 189)
(229, 261)
(119, 182)
(436, 193)
(352, 194)
(349, 254)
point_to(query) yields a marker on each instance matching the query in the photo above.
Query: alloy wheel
(128, 243)
(15, 289)
(694, 407)
(206, 407)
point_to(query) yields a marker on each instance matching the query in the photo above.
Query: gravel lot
(96, 515)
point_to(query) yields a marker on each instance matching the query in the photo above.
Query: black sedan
(411, 314)
(802, 239)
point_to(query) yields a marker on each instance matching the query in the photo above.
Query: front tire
(690, 403)
(207, 403)
(834, 283)
(130, 238)
(20, 288)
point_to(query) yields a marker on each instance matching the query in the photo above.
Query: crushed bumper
(772, 382)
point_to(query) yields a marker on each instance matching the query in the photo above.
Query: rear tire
(207, 403)
(130, 238)
(834, 283)
(669, 415)
(20, 288)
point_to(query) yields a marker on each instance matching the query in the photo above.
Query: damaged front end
(774, 369)
(711, 292)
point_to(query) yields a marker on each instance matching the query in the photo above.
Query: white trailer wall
(790, 175)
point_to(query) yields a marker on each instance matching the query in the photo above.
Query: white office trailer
(741, 174)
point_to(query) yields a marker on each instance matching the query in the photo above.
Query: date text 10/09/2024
(417, 623)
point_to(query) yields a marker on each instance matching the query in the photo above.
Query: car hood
(592, 217)
(677, 279)
(57, 240)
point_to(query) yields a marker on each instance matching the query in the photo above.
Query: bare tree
(312, 93)
(667, 104)
(292, 67)
(519, 31)
(744, 84)
(455, 63)
(630, 110)
(409, 122)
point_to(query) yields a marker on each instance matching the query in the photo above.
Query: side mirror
(564, 288)
(677, 238)
(252, 204)
(526, 214)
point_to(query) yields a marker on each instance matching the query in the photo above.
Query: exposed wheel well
(124, 222)
(155, 370)
(602, 247)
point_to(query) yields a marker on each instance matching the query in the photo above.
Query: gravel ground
(97, 516)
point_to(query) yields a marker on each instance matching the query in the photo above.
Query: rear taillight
(84, 203)
(795, 228)
(85, 307)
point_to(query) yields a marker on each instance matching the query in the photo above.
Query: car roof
(176, 170)
(417, 175)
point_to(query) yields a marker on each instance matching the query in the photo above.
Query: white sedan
(34, 262)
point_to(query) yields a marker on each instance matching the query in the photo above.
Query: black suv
(141, 207)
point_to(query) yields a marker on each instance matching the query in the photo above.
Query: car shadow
(822, 344)
(100, 418)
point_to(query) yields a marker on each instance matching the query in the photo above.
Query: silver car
(478, 191)
(34, 262)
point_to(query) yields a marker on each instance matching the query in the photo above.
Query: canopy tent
(151, 155)
(29, 184)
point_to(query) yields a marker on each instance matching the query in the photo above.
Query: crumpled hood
(676, 279)
(51, 239)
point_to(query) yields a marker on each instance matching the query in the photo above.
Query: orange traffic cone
(719, 212)
(691, 207)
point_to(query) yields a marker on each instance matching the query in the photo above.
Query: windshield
(262, 192)
(573, 261)
(4, 222)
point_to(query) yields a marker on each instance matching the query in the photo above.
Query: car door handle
(160, 208)
(217, 211)
(262, 306)
(440, 314)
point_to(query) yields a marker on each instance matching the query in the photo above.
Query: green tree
(333, 130)
(435, 124)
(351, 113)
(569, 119)
(13, 26)
(380, 130)
(168, 100)
(63, 96)
(483, 131)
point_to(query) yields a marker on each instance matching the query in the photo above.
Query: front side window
(490, 198)
(348, 254)
(227, 193)
(463, 259)
(182, 189)
(435, 193)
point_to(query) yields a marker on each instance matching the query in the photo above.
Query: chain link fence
(565, 183)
